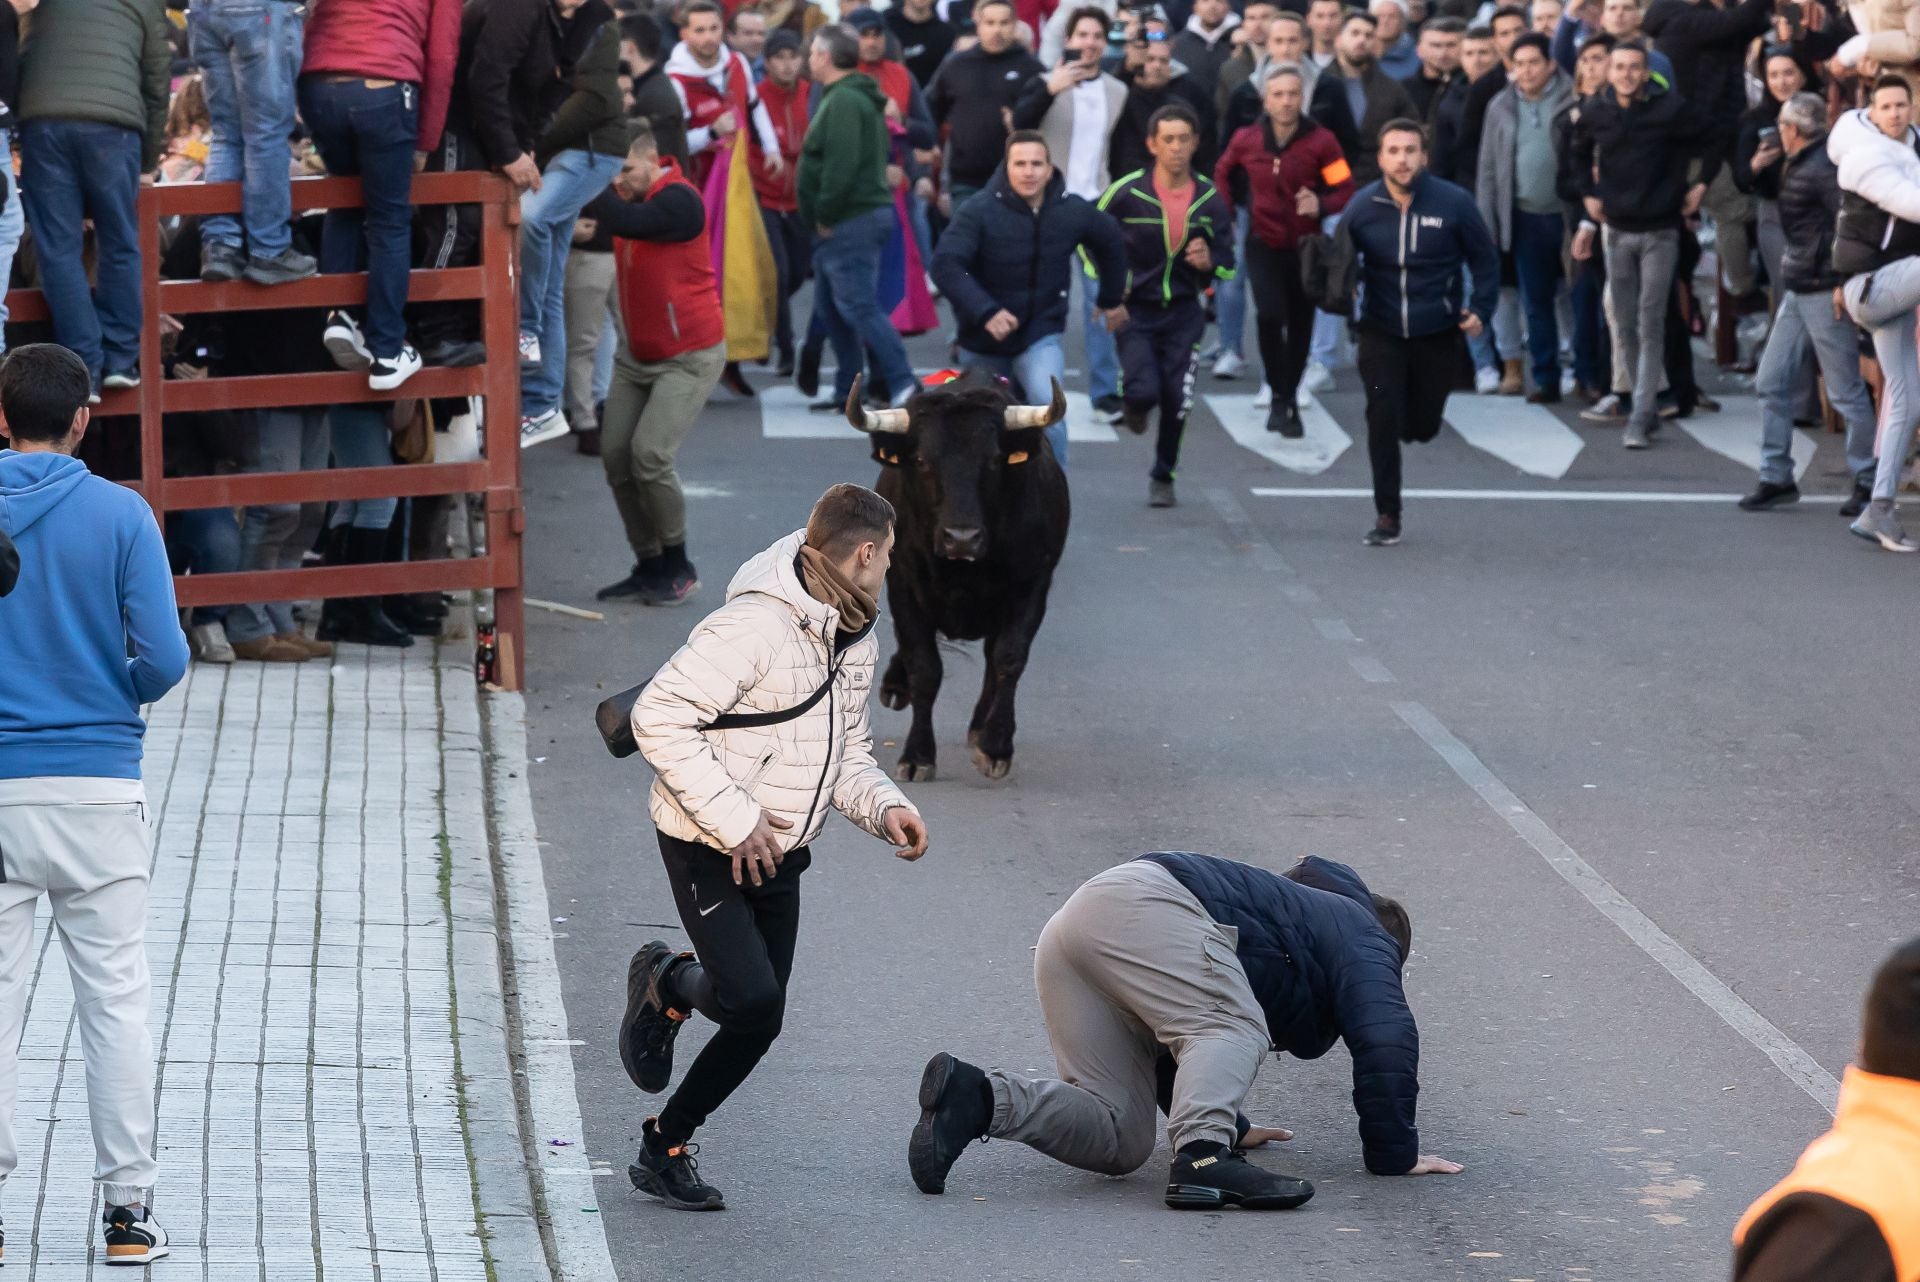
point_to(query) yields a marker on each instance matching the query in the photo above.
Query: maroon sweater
(1273, 175)
(417, 41)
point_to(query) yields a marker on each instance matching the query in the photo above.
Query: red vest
(668, 298)
(787, 108)
(705, 105)
(895, 81)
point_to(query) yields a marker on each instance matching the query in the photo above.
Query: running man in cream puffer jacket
(738, 805)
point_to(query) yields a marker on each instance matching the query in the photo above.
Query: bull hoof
(914, 772)
(893, 697)
(992, 767)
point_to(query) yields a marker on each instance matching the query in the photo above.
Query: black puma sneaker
(134, 1237)
(956, 1107)
(1207, 1176)
(669, 1173)
(647, 1032)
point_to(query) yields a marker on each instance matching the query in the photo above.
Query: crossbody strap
(755, 720)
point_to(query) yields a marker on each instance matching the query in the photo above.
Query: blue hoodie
(94, 585)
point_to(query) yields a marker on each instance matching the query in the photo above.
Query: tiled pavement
(313, 825)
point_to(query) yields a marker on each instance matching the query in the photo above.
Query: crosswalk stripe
(1085, 425)
(1734, 433)
(1528, 437)
(1325, 441)
(1520, 496)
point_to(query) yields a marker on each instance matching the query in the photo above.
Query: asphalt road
(1708, 710)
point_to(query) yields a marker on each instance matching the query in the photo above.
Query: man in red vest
(715, 87)
(674, 348)
(784, 98)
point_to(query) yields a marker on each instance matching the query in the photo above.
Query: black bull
(982, 512)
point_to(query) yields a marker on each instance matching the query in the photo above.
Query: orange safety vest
(1869, 1160)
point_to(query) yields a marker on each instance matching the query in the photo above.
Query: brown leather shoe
(300, 640)
(587, 441)
(1513, 378)
(268, 650)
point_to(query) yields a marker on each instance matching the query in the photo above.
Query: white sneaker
(1568, 383)
(1263, 399)
(134, 1237)
(209, 644)
(1316, 378)
(1605, 410)
(344, 342)
(1486, 381)
(538, 429)
(121, 380)
(385, 373)
(529, 348)
(1229, 364)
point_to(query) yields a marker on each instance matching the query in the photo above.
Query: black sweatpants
(743, 940)
(447, 236)
(1407, 382)
(1159, 354)
(1284, 316)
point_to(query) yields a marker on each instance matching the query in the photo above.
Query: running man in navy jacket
(1166, 980)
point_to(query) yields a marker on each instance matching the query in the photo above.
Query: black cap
(781, 40)
(864, 19)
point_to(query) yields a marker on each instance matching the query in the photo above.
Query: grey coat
(1495, 187)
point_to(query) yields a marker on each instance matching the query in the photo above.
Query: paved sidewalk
(318, 1119)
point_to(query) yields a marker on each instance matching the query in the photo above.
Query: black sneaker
(283, 268)
(954, 1112)
(672, 588)
(221, 262)
(644, 577)
(1207, 1176)
(1136, 419)
(453, 353)
(670, 1174)
(1285, 419)
(134, 1237)
(1768, 496)
(1857, 501)
(1384, 534)
(806, 375)
(828, 406)
(650, 1025)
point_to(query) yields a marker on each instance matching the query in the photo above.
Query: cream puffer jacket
(766, 650)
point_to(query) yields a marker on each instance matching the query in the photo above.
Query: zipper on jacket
(759, 771)
(833, 737)
(1406, 327)
(673, 321)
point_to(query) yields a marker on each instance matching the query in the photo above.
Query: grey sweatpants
(1640, 267)
(1130, 964)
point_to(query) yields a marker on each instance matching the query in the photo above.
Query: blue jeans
(73, 170)
(1033, 371)
(361, 439)
(570, 180)
(276, 536)
(1806, 321)
(1589, 325)
(1230, 296)
(13, 225)
(1103, 357)
(248, 52)
(205, 541)
(1536, 260)
(369, 134)
(846, 274)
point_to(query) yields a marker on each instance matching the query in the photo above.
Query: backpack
(1330, 271)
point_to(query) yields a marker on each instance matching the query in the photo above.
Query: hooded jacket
(1411, 259)
(94, 584)
(1260, 174)
(1323, 969)
(1206, 52)
(9, 564)
(843, 159)
(1497, 181)
(766, 650)
(1000, 252)
(1879, 216)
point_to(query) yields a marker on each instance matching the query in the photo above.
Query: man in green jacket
(846, 196)
(93, 111)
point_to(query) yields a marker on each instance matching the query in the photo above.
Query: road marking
(1734, 433)
(1325, 440)
(1787, 1055)
(1529, 437)
(1334, 629)
(784, 416)
(1544, 496)
(1083, 424)
(1370, 669)
(1265, 555)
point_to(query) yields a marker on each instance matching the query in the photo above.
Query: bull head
(897, 420)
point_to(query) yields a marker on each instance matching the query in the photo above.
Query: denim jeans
(1230, 295)
(1536, 259)
(1033, 371)
(276, 536)
(1590, 325)
(570, 180)
(1103, 355)
(1884, 302)
(361, 439)
(846, 274)
(13, 225)
(204, 541)
(1806, 321)
(1640, 268)
(248, 52)
(73, 170)
(369, 134)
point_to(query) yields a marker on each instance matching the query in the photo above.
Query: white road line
(1334, 629)
(1734, 433)
(1530, 437)
(1787, 1055)
(1543, 496)
(1370, 669)
(1325, 440)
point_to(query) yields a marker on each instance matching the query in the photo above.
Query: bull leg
(919, 657)
(993, 746)
(893, 686)
(989, 683)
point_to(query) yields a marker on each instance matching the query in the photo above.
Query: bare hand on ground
(1430, 1165)
(1259, 1135)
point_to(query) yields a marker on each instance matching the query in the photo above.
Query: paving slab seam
(1787, 1055)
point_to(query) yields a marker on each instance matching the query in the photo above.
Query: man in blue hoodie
(93, 632)
(1165, 981)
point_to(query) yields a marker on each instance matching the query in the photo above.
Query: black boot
(359, 620)
(1207, 1176)
(807, 376)
(956, 1107)
(668, 1173)
(420, 613)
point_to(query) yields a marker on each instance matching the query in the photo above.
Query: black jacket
(1323, 968)
(1158, 274)
(655, 102)
(516, 69)
(1359, 139)
(1464, 118)
(1642, 151)
(999, 252)
(1766, 183)
(1708, 47)
(1128, 150)
(1809, 204)
(587, 114)
(968, 93)
(923, 45)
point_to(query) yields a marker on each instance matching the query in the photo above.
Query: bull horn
(1039, 415)
(872, 420)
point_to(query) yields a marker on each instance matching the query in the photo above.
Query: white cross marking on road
(1734, 433)
(1530, 437)
(1325, 441)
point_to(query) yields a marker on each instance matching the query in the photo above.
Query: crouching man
(1166, 980)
